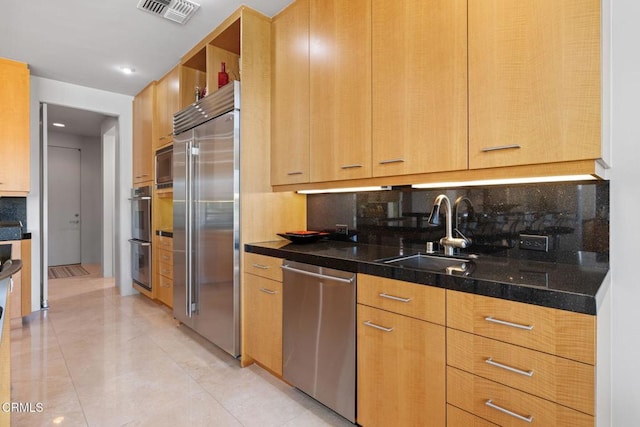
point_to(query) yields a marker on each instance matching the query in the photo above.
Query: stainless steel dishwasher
(318, 342)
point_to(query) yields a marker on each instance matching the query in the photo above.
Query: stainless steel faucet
(448, 242)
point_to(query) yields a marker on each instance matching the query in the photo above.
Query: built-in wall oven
(141, 236)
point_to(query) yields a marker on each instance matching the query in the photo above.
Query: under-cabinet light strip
(344, 190)
(503, 181)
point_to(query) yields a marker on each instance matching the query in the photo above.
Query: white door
(64, 205)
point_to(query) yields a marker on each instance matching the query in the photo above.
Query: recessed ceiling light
(127, 70)
(58, 125)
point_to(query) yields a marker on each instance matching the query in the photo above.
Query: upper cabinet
(167, 103)
(419, 86)
(340, 89)
(290, 95)
(534, 82)
(143, 112)
(410, 91)
(14, 128)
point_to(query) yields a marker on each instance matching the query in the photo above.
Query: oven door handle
(140, 243)
(140, 198)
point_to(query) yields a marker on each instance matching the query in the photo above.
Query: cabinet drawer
(559, 332)
(554, 378)
(165, 269)
(263, 266)
(410, 299)
(456, 417)
(165, 242)
(165, 256)
(506, 406)
(165, 282)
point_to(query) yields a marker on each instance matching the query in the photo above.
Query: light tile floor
(98, 359)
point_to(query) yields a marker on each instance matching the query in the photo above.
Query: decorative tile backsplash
(574, 217)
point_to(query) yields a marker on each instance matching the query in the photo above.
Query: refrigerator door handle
(188, 229)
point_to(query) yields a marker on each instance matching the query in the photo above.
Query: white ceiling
(86, 42)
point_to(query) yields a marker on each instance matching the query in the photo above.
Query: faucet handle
(466, 239)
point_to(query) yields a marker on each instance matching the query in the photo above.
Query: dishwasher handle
(318, 275)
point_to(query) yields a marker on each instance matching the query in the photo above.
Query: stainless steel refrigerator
(206, 284)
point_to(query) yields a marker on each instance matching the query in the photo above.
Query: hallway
(98, 359)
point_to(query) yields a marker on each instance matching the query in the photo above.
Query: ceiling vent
(174, 10)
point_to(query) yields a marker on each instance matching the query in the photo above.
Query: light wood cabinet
(290, 95)
(401, 365)
(143, 153)
(419, 73)
(534, 82)
(509, 362)
(263, 312)
(167, 103)
(5, 362)
(14, 128)
(456, 417)
(340, 89)
(164, 254)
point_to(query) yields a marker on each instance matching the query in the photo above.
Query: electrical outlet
(533, 242)
(342, 229)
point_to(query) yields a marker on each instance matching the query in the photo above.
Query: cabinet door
(534, 81)
(401, 370)
(167, 103)
(340, 89)
(419, 69)
(143, 105)
(290, 95)
(14, 127)
(263, 321)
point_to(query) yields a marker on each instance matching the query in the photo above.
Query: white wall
(108, 103)
(109, 132)
(625, 209)
(90, 192)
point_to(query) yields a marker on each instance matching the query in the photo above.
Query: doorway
(78, 165)
(64, 205)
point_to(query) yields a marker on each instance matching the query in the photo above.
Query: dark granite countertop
(576, 286)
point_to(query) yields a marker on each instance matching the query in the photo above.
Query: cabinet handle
(500, 147)
(165, 257)
(395, 298)
(260, 266)
(373, 325)
(165, 272)
(490, 404)
(351, 166)
(386, 162)
(142, 176)
(163, 137)
(295, 173)
(268, 291)
(491, 362)
(505, 323)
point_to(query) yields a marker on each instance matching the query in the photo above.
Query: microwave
(164, 167)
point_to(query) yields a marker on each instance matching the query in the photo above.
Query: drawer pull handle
(491, 362)
(373, 325)
(500, 147)
(268, 291)
(385, 295)
(490, 404)
(351, 166)
(386, 162)
(260, 266)
(295, 173)
(505, 323)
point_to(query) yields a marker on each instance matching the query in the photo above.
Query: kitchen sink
(431, 263)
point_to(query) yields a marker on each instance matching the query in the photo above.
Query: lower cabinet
(262, 312)
(164, 284)
(401, 360)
